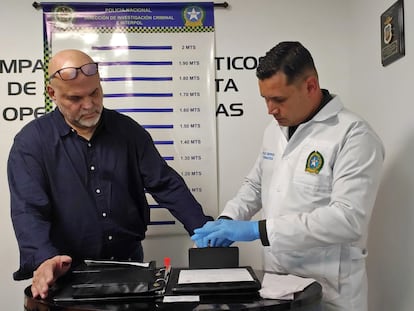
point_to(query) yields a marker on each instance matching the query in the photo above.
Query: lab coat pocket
(320, 263)
(312, 183)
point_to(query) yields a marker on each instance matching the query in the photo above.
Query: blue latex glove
(223, 232)
(219, 242)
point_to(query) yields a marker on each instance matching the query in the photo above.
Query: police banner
(156, 62)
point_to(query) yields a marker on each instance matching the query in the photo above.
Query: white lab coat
(317, 223)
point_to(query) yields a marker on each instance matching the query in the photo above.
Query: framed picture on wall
(392, 33)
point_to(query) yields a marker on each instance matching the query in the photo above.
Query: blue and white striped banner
(156, 62)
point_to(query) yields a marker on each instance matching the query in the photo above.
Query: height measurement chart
(156, 63)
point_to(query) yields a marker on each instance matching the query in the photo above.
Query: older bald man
(78, 177)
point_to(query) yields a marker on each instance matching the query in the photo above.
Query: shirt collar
(326, 98)
(60, 123)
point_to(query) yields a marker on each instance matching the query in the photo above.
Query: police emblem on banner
(64, 15)
(193, 16)
(314, 163)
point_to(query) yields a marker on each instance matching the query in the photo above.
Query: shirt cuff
(263, 233)
(22, 274)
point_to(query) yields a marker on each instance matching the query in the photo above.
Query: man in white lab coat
(315, 181)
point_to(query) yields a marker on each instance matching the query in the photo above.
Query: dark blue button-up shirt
(85, 198)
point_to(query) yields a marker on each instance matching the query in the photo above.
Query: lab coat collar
(330, 110)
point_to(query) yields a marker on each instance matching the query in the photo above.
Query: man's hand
(223, 232)
(47, 274)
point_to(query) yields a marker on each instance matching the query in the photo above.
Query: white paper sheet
(196, 276)
(181, 298)
(275, 286)
(113, 262)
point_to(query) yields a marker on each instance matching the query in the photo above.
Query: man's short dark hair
(289, 57)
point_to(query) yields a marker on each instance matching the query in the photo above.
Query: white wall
(383, 95)
(344, 38)
(21, 39)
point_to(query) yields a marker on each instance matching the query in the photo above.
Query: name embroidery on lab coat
(268, 155)
(314, 163)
